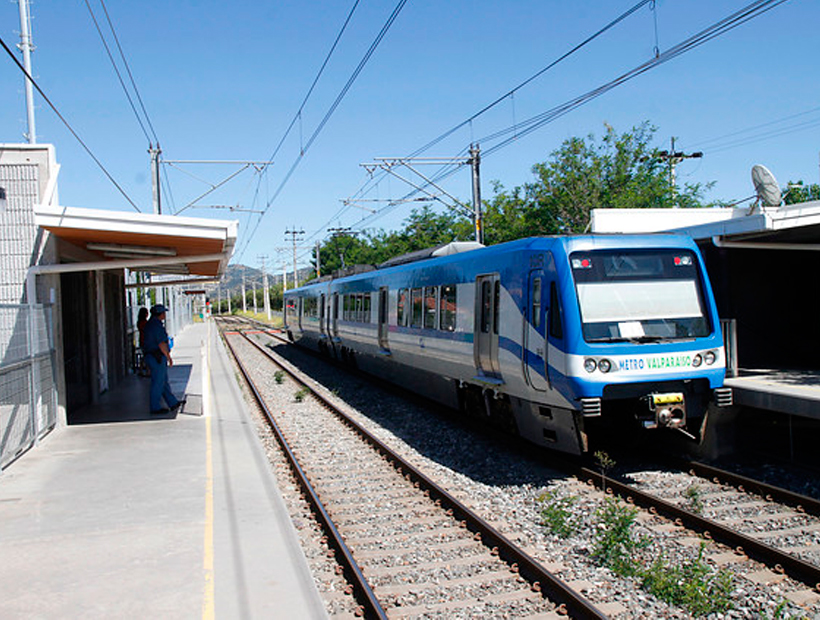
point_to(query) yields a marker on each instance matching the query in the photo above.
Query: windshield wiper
(636, 339)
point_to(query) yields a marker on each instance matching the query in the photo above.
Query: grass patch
(692, 585)
(556, 514)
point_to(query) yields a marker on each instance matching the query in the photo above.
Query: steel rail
(363, 592)
(793, 566)
(542, 580)
(796, 568)
(802, 503)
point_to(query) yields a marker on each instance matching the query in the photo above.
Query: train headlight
(697, 360)
(590, 364)
(604, 366)
(710, 358)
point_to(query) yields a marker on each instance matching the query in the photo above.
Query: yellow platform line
(208, 602)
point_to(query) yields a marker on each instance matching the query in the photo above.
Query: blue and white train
(546, 337)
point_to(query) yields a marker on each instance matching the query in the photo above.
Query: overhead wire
(298, 115)
(724, 141)
(130, 74)
(510, 93)
(117, 70)
(523, 128)
(303, 151)
(67, 124)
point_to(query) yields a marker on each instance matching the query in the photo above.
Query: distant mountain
(232, 280)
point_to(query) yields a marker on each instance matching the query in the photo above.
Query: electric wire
(724, 143)
(67, 124)
(523, 128)
(117, 71)
(298, 115)
(511, 93)
(130, 74)
(303, 151)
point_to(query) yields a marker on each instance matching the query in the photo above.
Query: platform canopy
(160, 244)
(789, 227)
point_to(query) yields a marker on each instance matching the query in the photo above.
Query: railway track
(774, 526)
(749, 531)
(408, 547)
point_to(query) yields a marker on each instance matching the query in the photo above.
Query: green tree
(797, 192)
(617, 171)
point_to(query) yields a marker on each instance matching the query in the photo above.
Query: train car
(546, 337)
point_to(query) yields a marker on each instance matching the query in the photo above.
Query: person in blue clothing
(158, 356)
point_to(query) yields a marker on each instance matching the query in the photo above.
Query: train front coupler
(666, 410)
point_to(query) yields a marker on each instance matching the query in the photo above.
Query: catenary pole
(26, 47)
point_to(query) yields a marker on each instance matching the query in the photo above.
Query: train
(550, 338)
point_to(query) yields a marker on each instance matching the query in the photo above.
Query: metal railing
(28, 385)
(729, 329)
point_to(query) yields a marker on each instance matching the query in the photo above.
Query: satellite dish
(766, 187)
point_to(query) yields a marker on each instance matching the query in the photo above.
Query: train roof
(570, 243)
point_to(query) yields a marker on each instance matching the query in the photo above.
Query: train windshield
(639, 295)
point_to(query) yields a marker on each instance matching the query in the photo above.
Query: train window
(643, 295)
(430, 307)
(418, 308)
(447, 308)
(496, 305)
(555, 318)
(401, 312)
(366, 304)
(536, 303)
(485, 306)
(357, 313)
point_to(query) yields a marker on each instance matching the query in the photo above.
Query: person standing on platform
(158, 355)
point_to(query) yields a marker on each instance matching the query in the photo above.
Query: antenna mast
(26, 47)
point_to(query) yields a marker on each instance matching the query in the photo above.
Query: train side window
(556, 325)
(350, 306)
(536, 303)
(430, 307)
(418, 308)
(401, 311)
(485, 306)
(366, 305)
(496, 305)
(447, 308)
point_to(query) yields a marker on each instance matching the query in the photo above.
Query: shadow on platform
(129, 401)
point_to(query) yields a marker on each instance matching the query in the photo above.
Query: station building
(68, 292)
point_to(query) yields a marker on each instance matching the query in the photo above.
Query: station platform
(794, 392)
(124, 514)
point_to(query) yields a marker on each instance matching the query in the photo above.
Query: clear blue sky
(223, 80)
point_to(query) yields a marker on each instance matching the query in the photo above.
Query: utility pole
(475, 163)
(318, 259)
(674, 157)
(263, 258)
(26, 47)
(244, 295)
(293, 234)
(155, 153)
(389, 164)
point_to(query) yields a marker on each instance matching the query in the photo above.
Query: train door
(383, 329)
(488, 296)
(535, 326)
